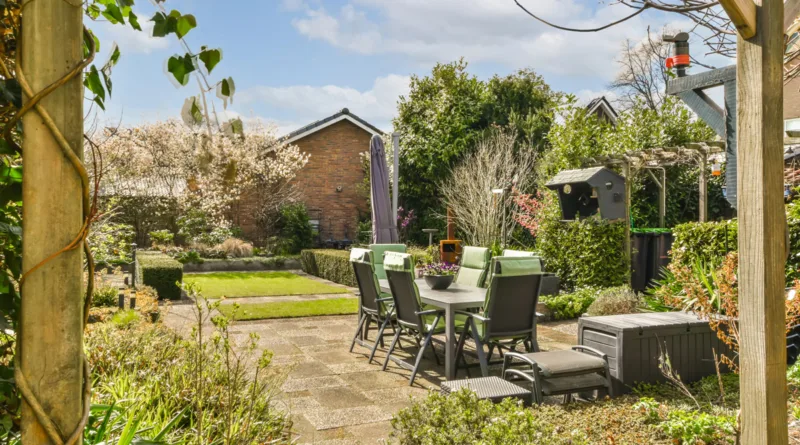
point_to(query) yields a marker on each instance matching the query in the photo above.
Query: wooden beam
(706, 109)
(701, 81)
(762, 226)
(703, 188)
(51, 315)
(743, 16)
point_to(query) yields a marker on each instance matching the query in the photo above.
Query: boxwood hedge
(330, 264)
(161, 272)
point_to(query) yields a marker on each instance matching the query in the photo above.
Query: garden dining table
(456, 297)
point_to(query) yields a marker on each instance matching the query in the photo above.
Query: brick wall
(335, 162)
(791, 99)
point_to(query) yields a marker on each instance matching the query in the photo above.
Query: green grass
(258, 284)
(292, 309)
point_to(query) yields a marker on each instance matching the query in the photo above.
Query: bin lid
(642, 321)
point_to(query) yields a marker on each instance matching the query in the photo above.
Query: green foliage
(793, 262)
(162, 237)
(615, 300)
(161, 272)
(585, 252)
(105, 295)
(566, 306)
(444, 115)
(692, 427)
(462, 418)
(125, 319)
(707, 242)
(110, 243)
(330, 264)
(196, 228)
(294, 229)
(188, 256)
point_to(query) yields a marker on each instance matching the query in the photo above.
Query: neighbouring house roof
(342, 115)
(602, 106)
(154, 187)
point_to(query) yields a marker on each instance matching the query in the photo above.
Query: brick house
(331, 183)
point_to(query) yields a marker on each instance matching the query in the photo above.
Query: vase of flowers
(439, 276)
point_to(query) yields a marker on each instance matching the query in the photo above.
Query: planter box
(634, 343)
(243, 265)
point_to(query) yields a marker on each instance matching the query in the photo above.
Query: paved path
(334, 396)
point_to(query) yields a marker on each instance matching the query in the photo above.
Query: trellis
(658, 159)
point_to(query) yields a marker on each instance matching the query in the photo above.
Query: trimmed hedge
(707, 242)
(161, 272)
(585, 252)
(330, 264)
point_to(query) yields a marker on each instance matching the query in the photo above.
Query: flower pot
(439, 282)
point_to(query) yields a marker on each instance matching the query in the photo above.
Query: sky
(297, 61)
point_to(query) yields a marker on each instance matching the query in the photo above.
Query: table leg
(450, 337)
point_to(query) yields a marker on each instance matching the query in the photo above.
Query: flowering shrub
(532, 210)
(404, 219)
(440, 269)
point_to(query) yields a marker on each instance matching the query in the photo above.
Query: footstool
(489, 388)
(561, 372)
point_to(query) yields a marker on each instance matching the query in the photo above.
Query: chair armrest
(518, 373)
(592, 351)
(520, 357)
(430, 312)
(539, 314)
(471, 315)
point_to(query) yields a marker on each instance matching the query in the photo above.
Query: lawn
(258, 284)
(292, 309)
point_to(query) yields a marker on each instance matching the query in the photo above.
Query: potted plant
(439, 275)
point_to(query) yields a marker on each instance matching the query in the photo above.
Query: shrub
(615, 300)
(105, 295)
(424, 255)
(236, 248)
(704, 242)
(585, 252)
(161, 272)
(162, 237)
(330, 264)
(125, 319)
(462, 418)
(110, 243)
(566, 306)
(294, 229)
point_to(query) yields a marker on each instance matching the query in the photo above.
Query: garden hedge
(585, 252)
(330, 264)
(161, 272)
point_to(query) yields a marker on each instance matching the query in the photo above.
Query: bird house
(586, 192)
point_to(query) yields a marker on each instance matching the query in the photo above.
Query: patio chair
(377, 256)
(375, 305)
(412, 320)
(550, 282)
(474, 265)
(580, 369)
(508, 317)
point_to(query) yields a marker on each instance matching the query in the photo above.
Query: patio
(336, 397)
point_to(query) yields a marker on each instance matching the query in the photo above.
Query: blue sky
(295, 61)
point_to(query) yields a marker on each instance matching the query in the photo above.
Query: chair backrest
(512, 296)
(400, 273)
(535, 264)
(377, 254)
(474, 266)
(368, 286)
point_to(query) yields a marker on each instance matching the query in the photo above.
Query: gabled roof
(314, 127)
(593, 176)
(601, 103)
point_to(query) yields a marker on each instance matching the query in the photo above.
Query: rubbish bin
(640, 249)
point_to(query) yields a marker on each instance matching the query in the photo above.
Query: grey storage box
(634, 343)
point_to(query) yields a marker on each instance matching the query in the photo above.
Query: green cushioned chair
(375, 305)
(412, 319)
(508, 317)
(378, 251)
(473, 267)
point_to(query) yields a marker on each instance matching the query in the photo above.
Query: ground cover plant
(567, 305)
(258, 284)
(291, 309)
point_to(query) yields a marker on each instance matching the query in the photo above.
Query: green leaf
(7, 228)
(161, 25)
(210, 58)
(10, 174)
(134, 21)
(93, 11)
(225, 91)
(181, 67)
(115, 53)
(185, 24)
(191, 113)
(95, 85)
(113, 14)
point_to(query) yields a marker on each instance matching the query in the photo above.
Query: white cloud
(309, 103)
(131, 41)
(480, 30)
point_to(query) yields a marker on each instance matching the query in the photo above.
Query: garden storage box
(634, 343)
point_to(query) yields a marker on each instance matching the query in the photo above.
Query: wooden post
(51, 318)
(761, 229)
(626, 172)
(703, 205)
(662, 194)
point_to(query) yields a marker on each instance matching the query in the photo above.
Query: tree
(643, 74)
(447, 112)
(493, 164)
